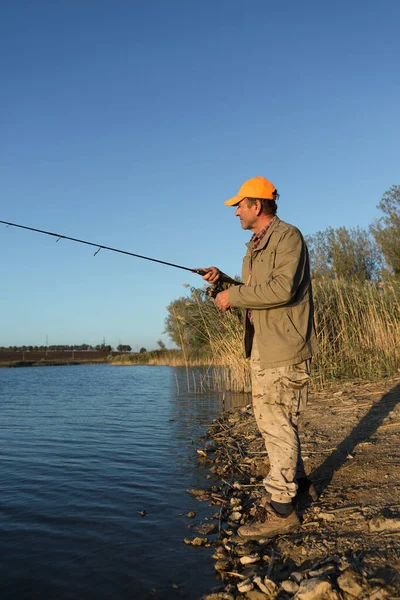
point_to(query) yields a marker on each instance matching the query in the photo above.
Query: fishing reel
(223, 283)
(218, 287)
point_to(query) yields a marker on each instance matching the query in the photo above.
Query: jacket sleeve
(282, 283)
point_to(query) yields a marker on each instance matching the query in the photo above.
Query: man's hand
(221, 300)
(212, 274)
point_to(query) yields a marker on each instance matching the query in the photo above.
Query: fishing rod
(224, 278)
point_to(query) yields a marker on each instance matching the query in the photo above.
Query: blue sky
(129, 123)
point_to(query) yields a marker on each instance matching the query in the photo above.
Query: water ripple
(84, 449)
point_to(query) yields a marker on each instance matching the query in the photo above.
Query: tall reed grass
(358, 327)
(358, 330)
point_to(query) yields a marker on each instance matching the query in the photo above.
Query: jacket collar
(266, 237)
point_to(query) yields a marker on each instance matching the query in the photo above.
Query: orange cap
(258, 187)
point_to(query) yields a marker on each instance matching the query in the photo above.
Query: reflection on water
(199, 382)
(85, 449)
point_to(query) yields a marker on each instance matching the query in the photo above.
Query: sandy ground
(350, 444)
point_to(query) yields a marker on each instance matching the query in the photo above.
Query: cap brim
(233, 201)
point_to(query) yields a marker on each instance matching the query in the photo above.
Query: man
(280, 339)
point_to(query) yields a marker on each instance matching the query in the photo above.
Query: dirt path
(349, 541)
(351, 440)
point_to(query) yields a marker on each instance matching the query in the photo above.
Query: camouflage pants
(279, 395)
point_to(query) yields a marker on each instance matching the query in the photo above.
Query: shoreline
(347, 546)
(57, 363)
(48, 363)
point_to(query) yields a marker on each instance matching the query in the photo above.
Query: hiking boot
(273, 525)
(305, 492)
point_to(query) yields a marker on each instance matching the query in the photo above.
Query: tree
(124, 348)
(103, 348)
(193, 321)
(185, 323)
(142, 350)
(161, 345)
(386, 229)
(349, 254)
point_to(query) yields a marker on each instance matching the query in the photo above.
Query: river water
(83, 450)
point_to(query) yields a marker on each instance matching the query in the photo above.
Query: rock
(197, 541)
(350, 582)
(200, 495)
(258, 581)
(378, 594)
(250, 559)
(296, 576)
(227, 545)
(326, 570)
(325, 516)
(219, 553)
(197, 492)
(207, 528)
(267, 586)
(245, 549)
(236, 516)
(255, 595)
(316, 589)
(380, 523)
(343, 563)
(191, 515)
(222, 564)
(245, 586)
(290, 586)
(271, 587)
(235, 501)
(249, 570)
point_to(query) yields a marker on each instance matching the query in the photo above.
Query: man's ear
(259, 208)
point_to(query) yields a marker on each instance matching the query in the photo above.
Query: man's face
(247, 214)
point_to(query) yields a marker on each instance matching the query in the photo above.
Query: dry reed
(358, 329)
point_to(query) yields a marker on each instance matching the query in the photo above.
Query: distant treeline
(357, 254)
(68, 348)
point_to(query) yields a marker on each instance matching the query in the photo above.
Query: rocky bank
(348, 545)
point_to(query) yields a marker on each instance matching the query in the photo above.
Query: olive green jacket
(277, 289)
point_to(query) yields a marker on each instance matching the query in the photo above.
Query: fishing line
(102, 247)
(223, 278)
